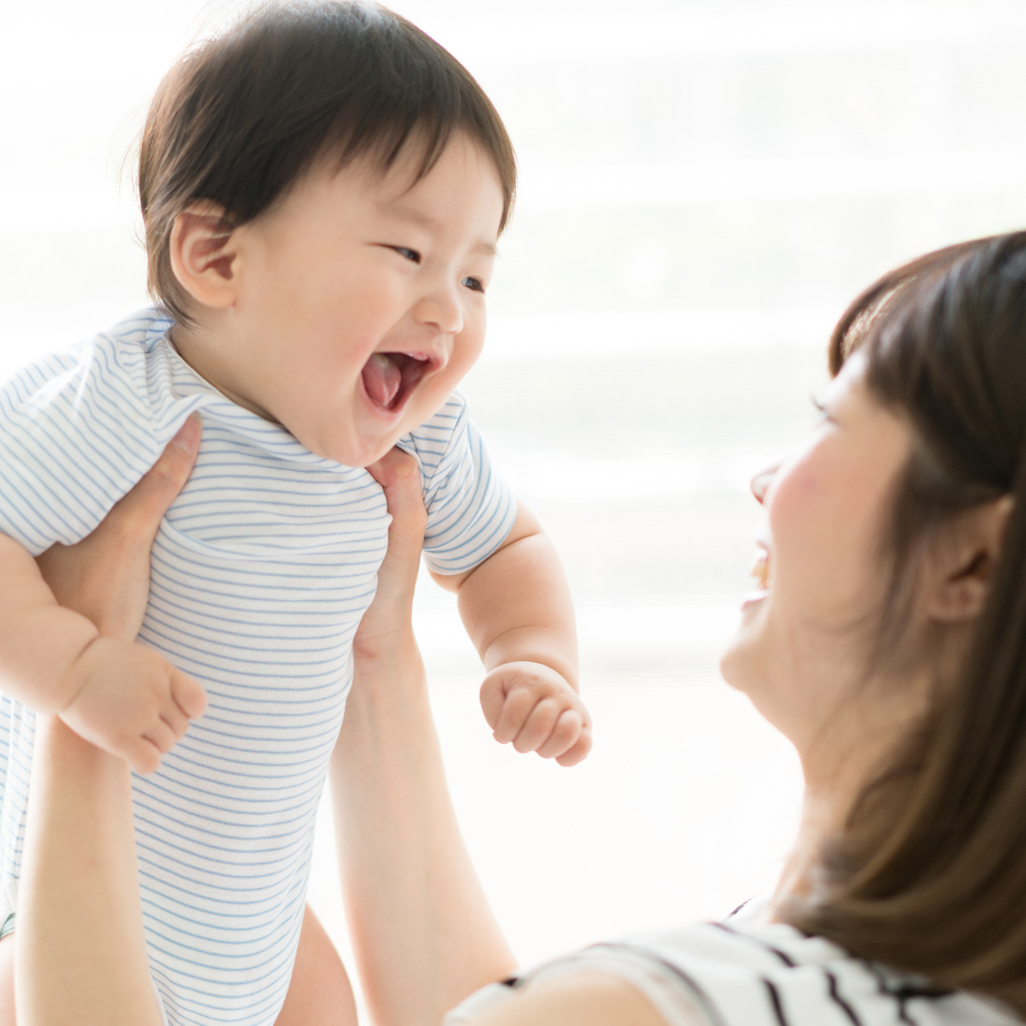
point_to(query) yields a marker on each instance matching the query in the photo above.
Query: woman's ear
(204, 255)
(965, 559)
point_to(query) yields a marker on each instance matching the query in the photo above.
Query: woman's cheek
(805, 525)
(825, 566)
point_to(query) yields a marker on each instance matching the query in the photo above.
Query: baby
(322, 189)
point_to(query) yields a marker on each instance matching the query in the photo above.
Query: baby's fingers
(516, 708)
(142, 755)
(162, 736)
(579, 751)
(538, 727)
(175, 719)
(566, 732)
(493, 698)
(188, 694)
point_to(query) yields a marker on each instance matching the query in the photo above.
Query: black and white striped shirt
(743, 973)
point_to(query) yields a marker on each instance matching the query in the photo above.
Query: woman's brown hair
(929, 873)
(240, 118)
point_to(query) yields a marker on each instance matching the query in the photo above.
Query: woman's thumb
(149, 500)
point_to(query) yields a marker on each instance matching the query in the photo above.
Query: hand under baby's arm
(517, 609)
(120, 696)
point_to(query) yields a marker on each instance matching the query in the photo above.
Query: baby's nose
(442, 309)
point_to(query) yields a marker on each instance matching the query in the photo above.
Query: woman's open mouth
(389, 379)
(761, 570)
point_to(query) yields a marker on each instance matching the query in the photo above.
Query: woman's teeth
(760, 571)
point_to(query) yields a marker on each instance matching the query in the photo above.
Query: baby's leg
(319, 994)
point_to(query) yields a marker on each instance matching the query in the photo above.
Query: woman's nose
(761, 482)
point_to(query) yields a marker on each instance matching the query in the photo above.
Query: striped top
(743, 973)
(261, 571)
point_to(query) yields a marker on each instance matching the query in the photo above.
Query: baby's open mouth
(389, 378)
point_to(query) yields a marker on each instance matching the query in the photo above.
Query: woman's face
(801, 647)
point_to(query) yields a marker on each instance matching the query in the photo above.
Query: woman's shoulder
(743, 972)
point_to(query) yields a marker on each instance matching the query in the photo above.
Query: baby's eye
(410, 254)
(475, 284)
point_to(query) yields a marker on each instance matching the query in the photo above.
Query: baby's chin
(350, 451)
(357, 441)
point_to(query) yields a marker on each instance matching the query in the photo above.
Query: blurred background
(705, 184)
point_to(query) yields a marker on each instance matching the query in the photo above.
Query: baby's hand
(131, 702)
(531, 705)
(127, 699)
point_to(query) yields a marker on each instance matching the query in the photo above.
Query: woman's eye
(475, 284)
(411, 254)
(822, 412)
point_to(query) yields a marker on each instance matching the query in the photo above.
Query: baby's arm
(517, 609)
(119, 695)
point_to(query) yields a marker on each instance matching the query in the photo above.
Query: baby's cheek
(470, 342)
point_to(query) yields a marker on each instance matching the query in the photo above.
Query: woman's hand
(389, 617)
(106, 576)
(421, 927)
(79, 865)
(127, 700)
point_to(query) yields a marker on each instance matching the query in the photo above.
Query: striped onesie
(261, 571)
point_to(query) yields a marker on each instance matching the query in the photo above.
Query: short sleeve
(674, 1001)
(737, 973)
(470, 507)
(75, 435)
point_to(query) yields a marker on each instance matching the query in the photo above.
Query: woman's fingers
(106, 576)
(399, 476)
(137, 516)
(390, 612)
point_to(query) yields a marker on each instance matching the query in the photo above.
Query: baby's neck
(212, 357)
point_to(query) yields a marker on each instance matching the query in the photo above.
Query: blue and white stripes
(260, 574)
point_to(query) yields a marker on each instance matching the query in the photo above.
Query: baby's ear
(203, 254)
(964, 560)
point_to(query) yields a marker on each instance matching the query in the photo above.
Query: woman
(888, 642)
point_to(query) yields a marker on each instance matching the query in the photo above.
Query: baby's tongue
(382, 379)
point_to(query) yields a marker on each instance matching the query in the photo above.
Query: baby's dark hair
(241, 117)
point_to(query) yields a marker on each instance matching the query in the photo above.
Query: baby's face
(361, 301)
